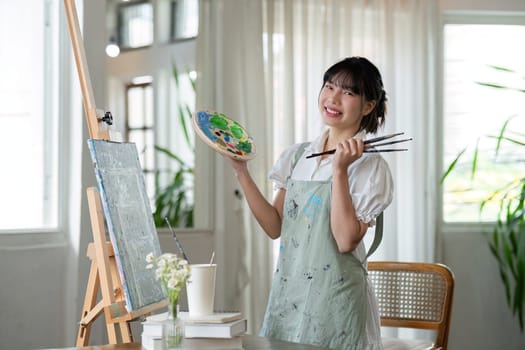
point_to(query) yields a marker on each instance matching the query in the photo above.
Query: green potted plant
(507, 239)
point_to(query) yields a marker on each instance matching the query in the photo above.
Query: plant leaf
(182, 119)
(501, 133)
(452, 165)
(492, 85)
(175, 73)
(519, 293)
(504, 69)
(474, 160)
(517, 142)
(170, 154)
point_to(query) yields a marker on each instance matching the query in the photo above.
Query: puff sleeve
(282, 169)
(371, 187)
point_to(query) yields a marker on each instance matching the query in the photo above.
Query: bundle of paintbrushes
(371, 144)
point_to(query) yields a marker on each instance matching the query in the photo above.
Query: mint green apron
(318, 295)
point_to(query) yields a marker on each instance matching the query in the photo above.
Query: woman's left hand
(347, 152)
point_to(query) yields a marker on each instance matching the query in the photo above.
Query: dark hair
(363, 78)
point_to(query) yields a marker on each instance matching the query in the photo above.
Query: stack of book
(222, 330)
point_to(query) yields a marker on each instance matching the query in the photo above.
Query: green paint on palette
(237, 131)
(245, 146)
(219, 122)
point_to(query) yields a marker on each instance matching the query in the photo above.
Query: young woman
(323, 207)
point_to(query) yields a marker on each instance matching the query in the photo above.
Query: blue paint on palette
(203, 119)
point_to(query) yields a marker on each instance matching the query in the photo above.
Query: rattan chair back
(414, 295)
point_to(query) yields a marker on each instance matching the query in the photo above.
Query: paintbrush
(177, 241)
(369, 144)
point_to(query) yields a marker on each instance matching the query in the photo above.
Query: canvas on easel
(128, 218)
(119, 207)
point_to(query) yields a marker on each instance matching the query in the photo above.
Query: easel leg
(90, 301)
(112, 333)
(91, 310)
(125, 332)
(118, 294)
(103, 259)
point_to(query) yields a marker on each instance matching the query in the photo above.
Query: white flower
(172, 271)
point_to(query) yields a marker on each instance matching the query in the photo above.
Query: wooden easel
(103, 275)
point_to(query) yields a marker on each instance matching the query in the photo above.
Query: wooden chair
(413, 295)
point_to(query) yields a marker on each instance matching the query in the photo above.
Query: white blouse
(369, 178)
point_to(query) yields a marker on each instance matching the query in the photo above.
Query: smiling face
(352, 97)
(341, 107)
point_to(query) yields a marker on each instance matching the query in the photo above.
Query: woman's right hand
(239, 166)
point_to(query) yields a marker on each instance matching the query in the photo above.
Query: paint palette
(224, 135)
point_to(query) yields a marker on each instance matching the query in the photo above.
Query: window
(29, 115)
(184, 21)
(135, 23)
(476, 56)
(139, 127)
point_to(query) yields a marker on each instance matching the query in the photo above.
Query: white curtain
(263, 61)
(230, 69)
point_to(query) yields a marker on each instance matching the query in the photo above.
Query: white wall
(35, 288)
(32, 292)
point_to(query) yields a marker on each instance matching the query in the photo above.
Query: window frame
(462, 17)
(144, 129)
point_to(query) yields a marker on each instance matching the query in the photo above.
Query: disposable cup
(200, 289)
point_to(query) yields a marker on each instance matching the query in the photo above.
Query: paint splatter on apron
(318, 295)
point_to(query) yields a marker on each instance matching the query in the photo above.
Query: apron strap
(298, 155)
(378, 235)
